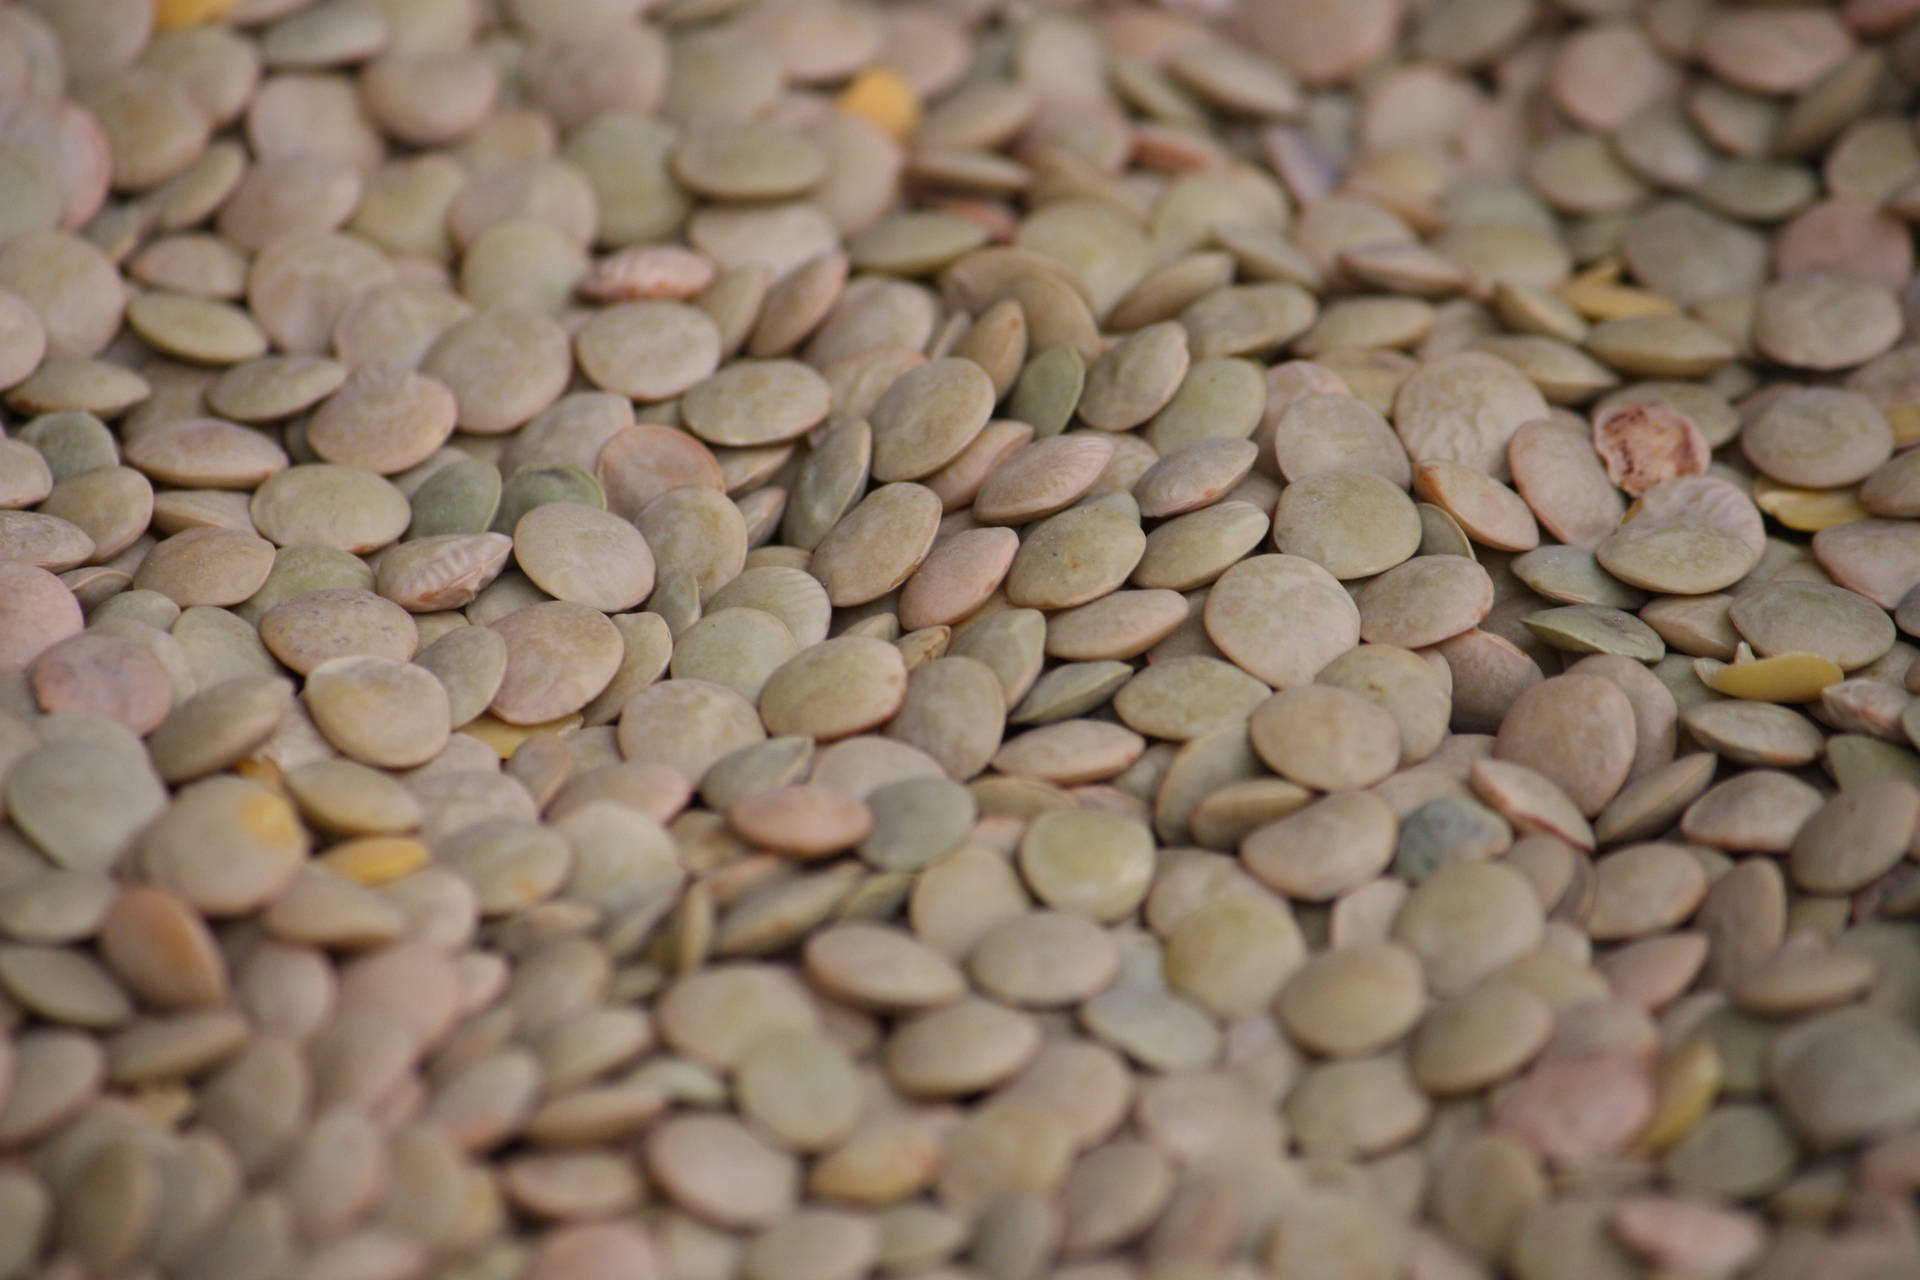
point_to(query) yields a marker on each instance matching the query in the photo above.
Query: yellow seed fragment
(1604, 271)
(1808, 510)
(1785, 677)
(271, 820)
(170, 15)
(1596, 300)
(505, 739)
(376, 860)
(263, 771)
(1684, 1088)
(883, 97)
(166, 1103)
(1905, 421)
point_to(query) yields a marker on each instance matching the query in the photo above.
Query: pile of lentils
(959, 640)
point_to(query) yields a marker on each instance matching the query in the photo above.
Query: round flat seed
(1097, 864)
(300, 285)
(715, 1016)
(644, 461)
(1659, 346)
(206, 453)
(337, 622)
(1424, 601)
(831, 479)
(330, 505)
(958, 576)
(1041, 478)
(687, 724)
(524, 263)
(1481, 1038)
(736, 647)
(756, 402)
(747, 160)
(560, 654)
(648, 350)
(1466, 920)
(1353, 1001)
(1580, 1108)
(1811, 617)
(698, 538)
(1281, 618)
(1586, 628)
(1183, 698)
(1355, 1107)
(876, 967)
(585, 555)
(1465, 408)
(1818, 438)
(916, 821)
(56, 1073)
(1643, 888)
(1773, 52)
(1245, 319)
(71, 286)
(381, 419)
(1644, 444)
(1043, 958)
(1872, 558)
(954, 709)
(1578, 731)
(1486, 510)
(396, 323)
(803, 821)
(1854, 837)
(1824, 322)
(963, 1048)
(104, 676)
(218, 726)
(1325, 737)
(460, 498)
(1136, 378)
(591, 1249)
(1233, 954)
(23, 339)
(1754, 733)
(1404, 685)
(1863, 1047)
(502, 366)
(1076, 556)
(1048, 389)
(443, 571)
(198, 329)
(1070, 751)
(835, 689)
(1738, 1150)
(227, 846)
(877, 546)
(800, 1088)
(1352, 523)
(928, 416)
(1325, 849)
(1333, 431)
(206, 567)
(1194, 476)
(714, 1167)
(788, 593)
(379, 711)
